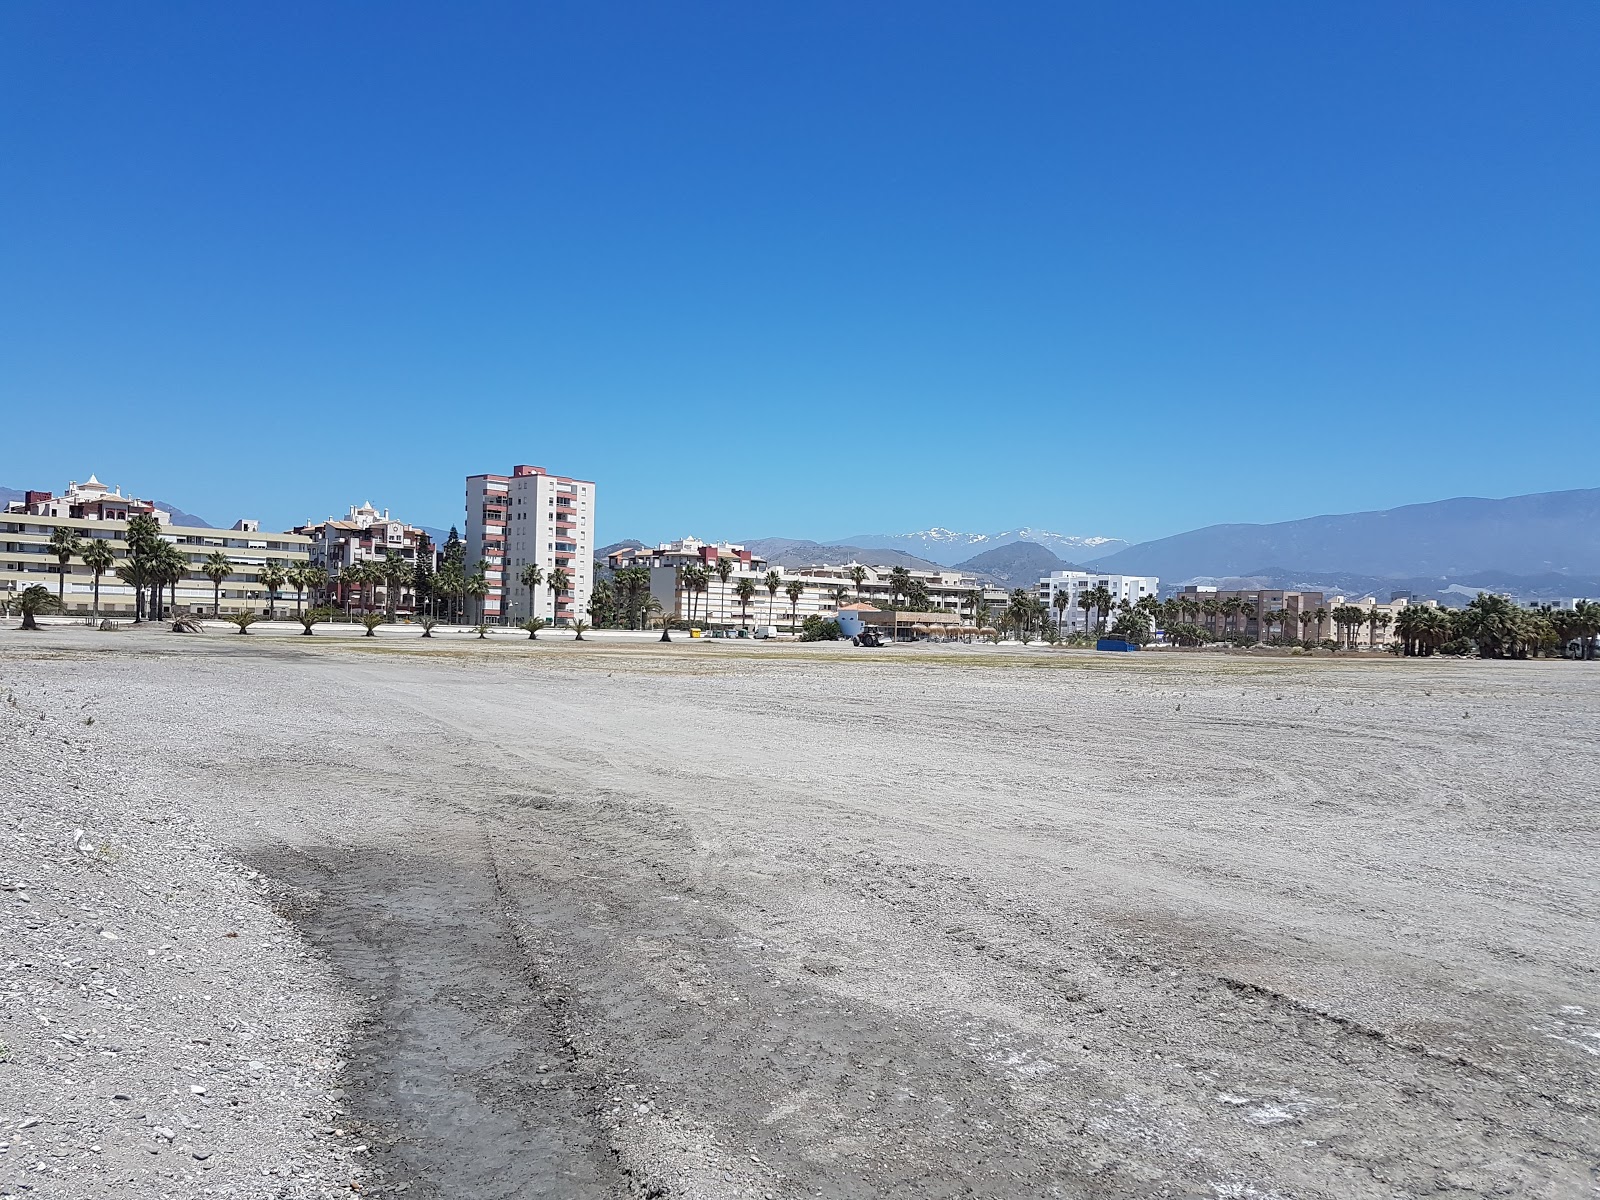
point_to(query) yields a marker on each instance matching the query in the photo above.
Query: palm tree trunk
(61, 587)
(216, 598)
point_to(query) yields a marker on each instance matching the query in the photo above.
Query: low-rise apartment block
(1239, 611)
(823, 587)
(1076, 584)
(531, 517)
(366, 535)
(95, 512)
(1305, 615)
(1387, 613)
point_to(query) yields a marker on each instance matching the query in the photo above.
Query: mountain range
(794, 552)
(1545, 534)
(949, 547)
(1545, 544)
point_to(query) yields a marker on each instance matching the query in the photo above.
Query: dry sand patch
(809, 920)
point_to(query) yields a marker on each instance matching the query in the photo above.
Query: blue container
(1114, 644)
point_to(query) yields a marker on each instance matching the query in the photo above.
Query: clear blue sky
(1115, 269)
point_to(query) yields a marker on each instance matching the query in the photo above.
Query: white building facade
(96, 513)
(1075, 584)
(367, 535)
(531, 517)
(824, 587)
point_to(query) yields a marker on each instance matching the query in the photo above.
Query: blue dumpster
(1117, 644)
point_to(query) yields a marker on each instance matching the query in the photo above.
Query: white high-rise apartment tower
(531, 516)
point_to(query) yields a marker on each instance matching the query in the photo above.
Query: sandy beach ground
(511, 919)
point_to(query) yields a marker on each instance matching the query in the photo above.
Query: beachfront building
(1075, 584)
(531, 516)
(95, 512)
(823, 587)
(1387, 612)
(669, 588)
(90, 501)
(1253, 603)
(366, 535)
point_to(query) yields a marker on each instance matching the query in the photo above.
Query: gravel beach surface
(164, 1032)
(312, 916)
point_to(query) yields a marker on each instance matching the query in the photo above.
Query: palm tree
(344, 582)
(64, 543)
(396, 571)
(171, 565)
(1102, 606)
(363, 575)
(558, 582)
(899, 584)
(477, 586)
(271, 577)
(1061, 601)
(1411, 624)
(217, 567)
(695, 579)
(315, 579)
(1249, 611)
(99, 558)
(858, 576)
(144, 540)
(451, 582)
(839, 595)
(1375, 621)
(724, 572)
(531, 576)
(577, 628)
(32, 601)
(135, 572)
(1086, 602)
(773, 582)
(972, 598)
(795, 589)
(295, 576)
(745, 589)
(1586, 621)
(310, 616)
(353, 581)
(244, 619)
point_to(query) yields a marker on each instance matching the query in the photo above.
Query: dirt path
(818, 927)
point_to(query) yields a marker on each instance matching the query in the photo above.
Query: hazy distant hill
(951, 546)
(1016, 565)
(791, 552)
(1547, 533)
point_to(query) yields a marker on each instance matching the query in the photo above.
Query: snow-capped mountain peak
(950, 546)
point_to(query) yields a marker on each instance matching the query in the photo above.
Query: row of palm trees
(695, 582)
(154, 565)
(1494, 627)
